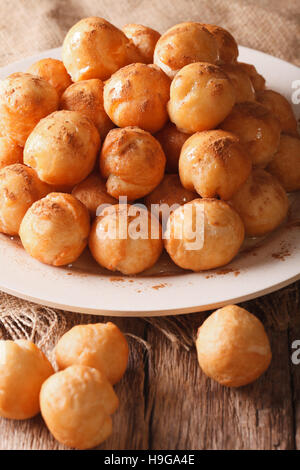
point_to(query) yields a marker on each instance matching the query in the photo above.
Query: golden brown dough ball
(258, 129)
(54, 72)
(55, 229)
(132, 162)
(227, 46)
(23, 369)
(204, 234)
(184, 44)
(243, 87)
(10, 152)
(137, 95)
(144, 38)
(201, 96)
(77, 404)
(285, 165)
(281, 108)
(19, 189)
(92, 193)
(94, 48)
(261, 202)
(63, 148)
(126, 238)
(24, 100)
(214, 163)
(233, 347)
(86, 97)
(101, 345)
(257, 80)
(171, 140)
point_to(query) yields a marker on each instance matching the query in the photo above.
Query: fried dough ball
(204, 234)
(76, 405)
(184, 44)
(261, 202)
(257, 80)
(101, 345)
(132, 162)
(23, 369)
(285, 165)
(201, 96)
(94, 48)
(137, 95)
(243, 87)
(10, 152)
(214, 163)
(144, 38)
(258, 129)
(19, 189)
(126, 238)
(63, 148)
(281, 108)
(24, 100)
(55, 229)
(233, 347)
(227, 46)
(86, 97)
(171, 140)
(92, 193)
(54, 72)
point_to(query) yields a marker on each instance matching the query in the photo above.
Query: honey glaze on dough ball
(92, 193)
(233, 347)
(184, 44)
(137, 95)
(285, 165)
(257, 80)
(171, 140)
(132, 162)
(63, 148)
(258, 129)
(86, 97)
(10, 152)
(220, 234)
(281, 108)
(55, 229)
(19, 189)
(144, 38)
(94, 48)
(23, 369)
(100, 345)
(243, 87)
(214, 163)
(24, 100)
(114, 240)
(261, 202)
(54, 72)
(77, 404)
(227, 46)
(201, 96)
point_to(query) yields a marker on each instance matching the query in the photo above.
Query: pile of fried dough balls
(172, 119)
(77, 401)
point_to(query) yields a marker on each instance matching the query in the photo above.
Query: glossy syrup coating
(243, 87)
(54, 72)
(227, 46)
(171, 140)
(144, 38)
(281, 108)
(10, 152)
(257, 79)
(285, 165)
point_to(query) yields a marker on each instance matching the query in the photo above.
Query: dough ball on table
(100, 345)
(77, 404)
(55, 229)
(23, 369)
(243, 87)
(63, 148)
(171, 140)
(201, 96)
(20, 187)
(233, 347)
(86, 97)
(214, 163)
(54, 72)
(227, 46)
(257, 80)
(144, 38)
(285, 165)
(184, 44)
(132, 162)
(257, 128)
(261, 202)
(137, 95)
(92, 193)
(10, 152)
(24, 100)
(126, 238)
(281, 108)
(204, 234)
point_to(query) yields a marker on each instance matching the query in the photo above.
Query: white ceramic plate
(265, 266)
